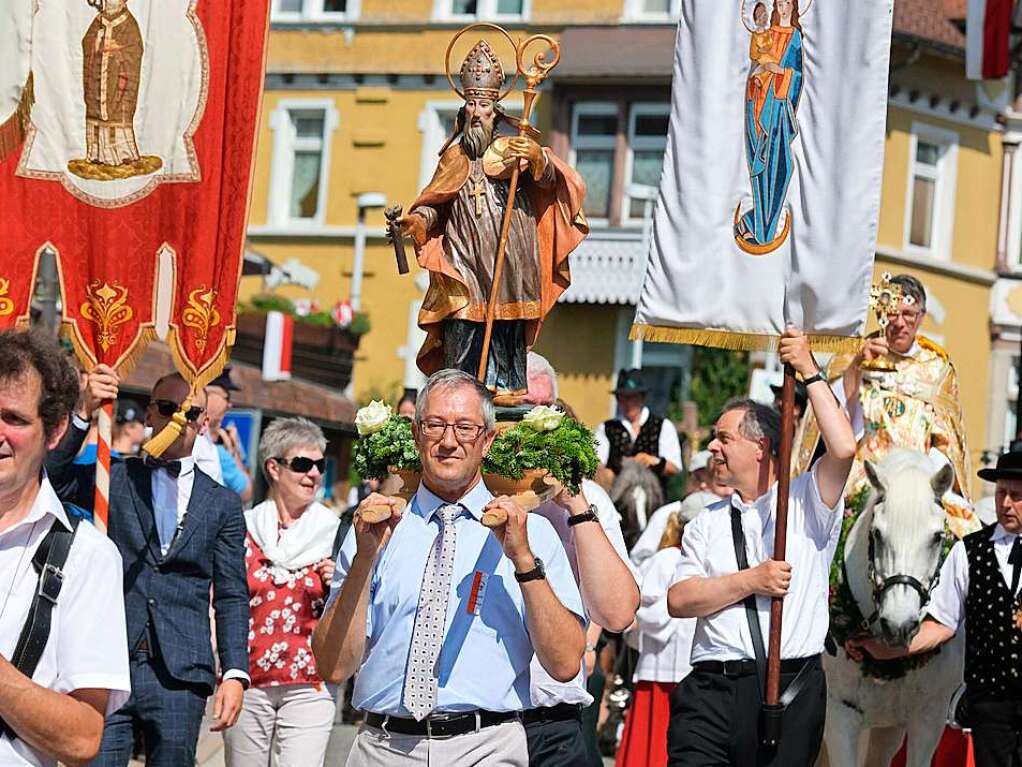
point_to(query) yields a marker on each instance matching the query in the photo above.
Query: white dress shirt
(665, 643)
(669, 444)
(545, 690)
(649, 541)
(947, 600)
(708, 552)
(207, 458)
(88, 642)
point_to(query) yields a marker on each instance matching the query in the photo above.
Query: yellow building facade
(357, 106)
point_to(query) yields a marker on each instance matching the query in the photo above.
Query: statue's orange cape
(561, 227)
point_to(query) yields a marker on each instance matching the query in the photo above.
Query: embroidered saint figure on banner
(112, 51)
(104, 73)
(773, 90)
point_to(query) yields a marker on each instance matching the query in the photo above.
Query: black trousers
(996, 733)
(715, 722)
(555, 740)
(505, 364)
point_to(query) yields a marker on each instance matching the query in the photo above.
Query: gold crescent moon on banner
(450, 47)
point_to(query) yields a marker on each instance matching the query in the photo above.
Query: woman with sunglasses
(288, 558)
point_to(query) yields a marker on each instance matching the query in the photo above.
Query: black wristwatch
(813, 379)
(589, 515)
(534, 574)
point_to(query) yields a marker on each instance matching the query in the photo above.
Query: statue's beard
(476, 139)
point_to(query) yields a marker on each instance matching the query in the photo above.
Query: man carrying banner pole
(739, 554)
(778, 229)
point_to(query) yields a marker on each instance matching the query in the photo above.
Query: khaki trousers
(503, 745)
(292, 721)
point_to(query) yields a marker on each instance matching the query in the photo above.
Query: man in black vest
(637, 433)
(991, 561)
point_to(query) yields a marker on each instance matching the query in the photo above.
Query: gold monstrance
(885, 299)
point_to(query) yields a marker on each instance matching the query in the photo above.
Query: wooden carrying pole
(773, 679)
(533, 77)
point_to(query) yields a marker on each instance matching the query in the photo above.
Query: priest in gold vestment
(455, 224)
(915, 405)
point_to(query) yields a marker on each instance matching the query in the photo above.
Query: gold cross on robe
(477, 192)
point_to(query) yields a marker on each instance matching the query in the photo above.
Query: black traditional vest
(993, 646)
(621, 445)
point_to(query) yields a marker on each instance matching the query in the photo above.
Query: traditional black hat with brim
(129, 410)
(1009, 466)
(630, 382)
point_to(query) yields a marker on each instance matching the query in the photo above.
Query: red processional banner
(127, 135)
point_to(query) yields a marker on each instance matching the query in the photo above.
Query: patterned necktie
(431, 619)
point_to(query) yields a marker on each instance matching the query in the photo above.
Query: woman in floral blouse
(287, 554)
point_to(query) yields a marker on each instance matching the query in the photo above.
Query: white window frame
(312, 11)
(1012, 390)
(641, 143)
(1013, 246)
(602, 108)
(434, 132)
(486, 11)
(633, 12)
(946, 177)
(282, 164)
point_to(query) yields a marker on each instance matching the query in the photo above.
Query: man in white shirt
(56, 712)
(590, 531)
(180, 535)
(637, 433)
(715, 712)
(979, 586)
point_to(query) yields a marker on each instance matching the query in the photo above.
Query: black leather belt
(748, 667)
(562, 712)
(440, 725)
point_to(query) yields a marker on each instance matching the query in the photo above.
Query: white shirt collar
(46, 502)
(427, 502)
(643, 417)
(764, 502)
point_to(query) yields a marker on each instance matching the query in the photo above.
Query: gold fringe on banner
(14, 128)
(128, 360)
(749, 342)
(169, 434)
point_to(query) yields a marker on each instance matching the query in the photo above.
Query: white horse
(891, 559)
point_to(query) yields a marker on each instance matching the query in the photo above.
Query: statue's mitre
(482, 74)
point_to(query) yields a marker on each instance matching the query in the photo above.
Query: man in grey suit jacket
(179, 534)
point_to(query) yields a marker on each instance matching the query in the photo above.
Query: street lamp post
(365, 201)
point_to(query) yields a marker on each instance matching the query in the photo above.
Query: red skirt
(644, 740)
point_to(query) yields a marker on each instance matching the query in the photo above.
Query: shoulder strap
(48, 562)
(751, 613)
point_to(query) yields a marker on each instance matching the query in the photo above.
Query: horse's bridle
(880, 586)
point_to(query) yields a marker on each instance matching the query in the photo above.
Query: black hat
(630, 382)
(224, 381)
(129, 410)
(801, 393)
(1009, 466)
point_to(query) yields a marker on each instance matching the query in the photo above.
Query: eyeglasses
(463, 430)
(167, 408)
(301, 464)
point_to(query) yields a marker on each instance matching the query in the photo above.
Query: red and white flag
(988, 39)
(277, 346)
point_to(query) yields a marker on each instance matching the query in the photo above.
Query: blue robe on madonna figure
(772, 98)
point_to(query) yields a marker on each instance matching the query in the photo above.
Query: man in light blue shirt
(441, 617)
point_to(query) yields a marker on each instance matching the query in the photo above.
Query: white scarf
(304, 543)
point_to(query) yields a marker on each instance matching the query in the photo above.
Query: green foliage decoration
(717, 376)
(391, 447)
(568, 452)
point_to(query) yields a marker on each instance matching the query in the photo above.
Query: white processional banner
(770, 196)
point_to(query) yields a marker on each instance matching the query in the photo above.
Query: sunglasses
(167, 408)
(302, 465)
